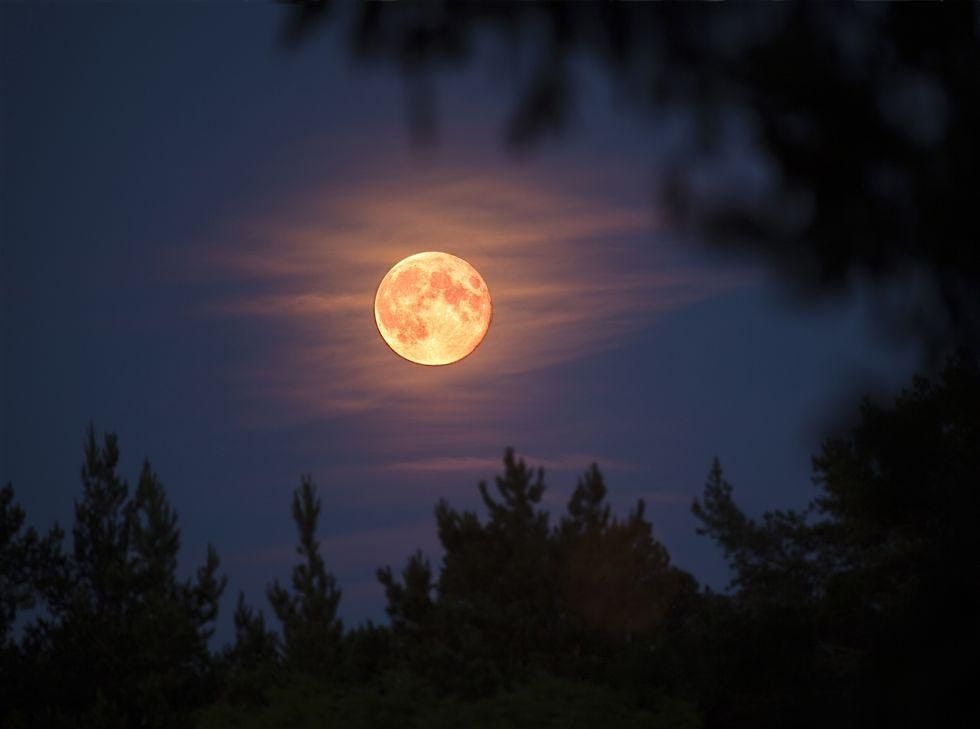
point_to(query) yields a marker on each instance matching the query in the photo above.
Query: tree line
(855, 611)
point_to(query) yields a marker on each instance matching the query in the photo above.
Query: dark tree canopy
(855, 611)
(516, 595)
(873, 587)
(28, 565)
(311, 629)
(122, 641)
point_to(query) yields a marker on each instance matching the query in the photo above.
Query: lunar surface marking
(433, 308)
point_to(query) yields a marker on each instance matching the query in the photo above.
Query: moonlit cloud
(570, 462)
(562, 263)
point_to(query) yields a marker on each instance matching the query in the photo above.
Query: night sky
(194, 222)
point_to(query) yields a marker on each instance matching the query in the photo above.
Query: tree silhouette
(496, 584)
(776, 561)
(311, 630)
(27, 562)
(410, 603)
(251, 665)
(29, 566)
(102, 530)
(122, 641)
(617, 582)
(855, 611)
(411, 607)
(516, 596)
(761, 640)
(588, 511)
(868, 597)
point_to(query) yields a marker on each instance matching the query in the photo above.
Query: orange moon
(433, 308)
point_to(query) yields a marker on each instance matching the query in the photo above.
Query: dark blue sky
(193, 224)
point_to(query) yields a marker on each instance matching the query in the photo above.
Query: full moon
(432, 308)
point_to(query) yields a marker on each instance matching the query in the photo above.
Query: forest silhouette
(855, 611)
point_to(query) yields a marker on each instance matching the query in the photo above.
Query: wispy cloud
(563, 266)
(303, 304)
(452, 464)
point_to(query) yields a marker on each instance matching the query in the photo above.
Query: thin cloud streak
(561, 265)
(451, 464)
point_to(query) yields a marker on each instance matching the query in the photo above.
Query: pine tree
(617, 580)
(496, 589)
(775, 561)
(413, 613)
(588, 511)
(410, 602)
(255, 645)
(155, 537)
(102, 531)
(252, 663)
(29, 566)
(308, 614)
(123, 639)
(28, 562)
(862, 604)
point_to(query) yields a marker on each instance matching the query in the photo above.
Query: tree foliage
(850, 612)
(869, 593)
(27, 562)
(122, 640)
(308, 614)
(517, 595)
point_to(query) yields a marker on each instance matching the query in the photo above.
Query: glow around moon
(433, 308)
